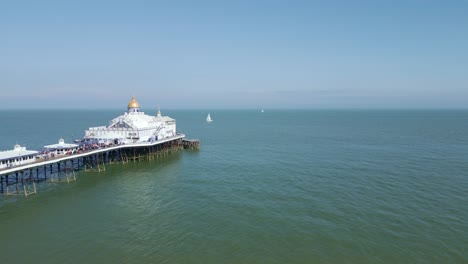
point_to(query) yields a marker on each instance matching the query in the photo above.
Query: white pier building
(133, 126)
(61, 148)
(18, 156)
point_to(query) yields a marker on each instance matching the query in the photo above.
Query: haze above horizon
(234, 55)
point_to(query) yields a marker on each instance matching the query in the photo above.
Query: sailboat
(208, 119)
(262, 111)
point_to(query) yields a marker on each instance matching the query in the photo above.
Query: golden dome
(133, 103)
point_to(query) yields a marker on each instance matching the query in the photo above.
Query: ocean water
(275, 187)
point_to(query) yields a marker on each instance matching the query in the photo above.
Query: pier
(21, 180)
(130, 137)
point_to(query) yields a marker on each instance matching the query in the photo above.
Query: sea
(283, 186)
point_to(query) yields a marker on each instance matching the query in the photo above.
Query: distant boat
(262, 111)
(208, 119)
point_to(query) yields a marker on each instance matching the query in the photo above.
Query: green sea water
(275, 187)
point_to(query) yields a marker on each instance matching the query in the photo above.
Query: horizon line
(247, 108)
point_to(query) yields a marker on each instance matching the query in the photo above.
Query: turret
(133, 106)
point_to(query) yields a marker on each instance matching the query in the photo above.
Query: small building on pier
(18, 156)
(61, 148)
(133, 126)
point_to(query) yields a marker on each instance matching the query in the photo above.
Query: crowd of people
(83, 147)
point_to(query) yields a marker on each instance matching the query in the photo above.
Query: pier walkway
(22, 178)
(88, 153)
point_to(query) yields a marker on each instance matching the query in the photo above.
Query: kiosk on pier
(18, 156)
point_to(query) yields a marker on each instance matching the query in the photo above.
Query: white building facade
(18, 156)
(61, 148)
(133, 126)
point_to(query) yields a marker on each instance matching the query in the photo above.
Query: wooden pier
(193, 144)
(21, 180)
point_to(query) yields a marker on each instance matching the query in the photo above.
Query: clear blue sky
(234, 54)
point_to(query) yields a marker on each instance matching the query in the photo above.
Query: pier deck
(22, 179)
(88, 153)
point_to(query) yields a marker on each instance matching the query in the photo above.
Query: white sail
(208, 119)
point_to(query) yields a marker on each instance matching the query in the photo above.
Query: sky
(234, 54)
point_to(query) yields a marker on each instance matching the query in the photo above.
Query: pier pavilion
(17, 156)
(61, 148)
(133, 126)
